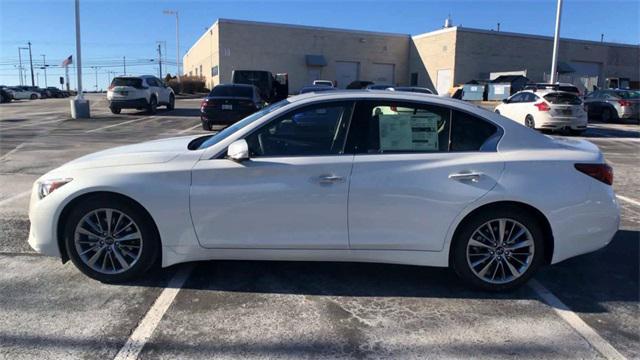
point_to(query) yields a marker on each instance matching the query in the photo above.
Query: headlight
(48, 186)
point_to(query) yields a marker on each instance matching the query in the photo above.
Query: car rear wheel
(153, 105)
(115, 110)
(498, 112)
(529, 122)
(498, 249)
(33, 96)
(172, 103)
(110, 240)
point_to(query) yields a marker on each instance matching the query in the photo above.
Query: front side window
(314, 130)
(517, 98)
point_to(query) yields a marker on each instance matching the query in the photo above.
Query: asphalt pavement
(587, 307)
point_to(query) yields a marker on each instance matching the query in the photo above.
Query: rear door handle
(330, 179)
(466, 176)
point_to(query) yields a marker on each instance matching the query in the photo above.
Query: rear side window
(133, 82)
(563, 99)
(232, 91)
(468, 132)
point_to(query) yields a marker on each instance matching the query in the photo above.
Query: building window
(414, 79)
(214, 71)
(201, 73)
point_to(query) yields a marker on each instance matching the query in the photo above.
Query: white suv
(546, 110)
(139, 92)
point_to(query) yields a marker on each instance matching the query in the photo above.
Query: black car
(5, 96)
(228, 103)
(55, 92)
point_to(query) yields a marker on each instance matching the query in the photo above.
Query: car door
(291, 193)
(416, 167)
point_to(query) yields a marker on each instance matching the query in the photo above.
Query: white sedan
(546, 110)
(22, 94)
(338, 176)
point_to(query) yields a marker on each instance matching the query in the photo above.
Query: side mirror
(238, 151)
(506, 101)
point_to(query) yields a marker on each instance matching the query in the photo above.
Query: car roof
(235, 85)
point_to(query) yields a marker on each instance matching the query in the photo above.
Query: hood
(149, 152)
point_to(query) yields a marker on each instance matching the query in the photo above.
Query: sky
(111, 30)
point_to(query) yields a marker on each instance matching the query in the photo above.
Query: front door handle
(466, 176)
(330, 179)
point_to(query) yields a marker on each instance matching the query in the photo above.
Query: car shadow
(584, 283)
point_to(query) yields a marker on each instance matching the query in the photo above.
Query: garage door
(382, 73)
(346, 72)
(444, 81)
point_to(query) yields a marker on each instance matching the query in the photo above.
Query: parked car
(228, 103)
(22, 94)
(272, 88)
(56, 93)
(390, 177)
(42, 92)
(415, 89)
(316, 88)
(379, 86)
(611, 105)
(359, 84)
(546, 110)
(324, 82)
(566, 87)
(139, 92)
(5, 96)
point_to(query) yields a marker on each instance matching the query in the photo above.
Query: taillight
(204, 103)
(602, 172)
(542, 106)
(624, 102)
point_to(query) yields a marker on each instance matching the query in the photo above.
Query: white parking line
(12, 151)
(586, 331)
(118, 124)
(14, 197)
(629, 200)
(189, 129)
(148, 324)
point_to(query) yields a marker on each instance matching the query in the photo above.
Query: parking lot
(586, 307)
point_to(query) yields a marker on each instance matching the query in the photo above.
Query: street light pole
(20, 67)
(556, 43)
(31, 64)
(175, 12)
(44, 67)
(124, 65)
(160, 60)
(79, 105)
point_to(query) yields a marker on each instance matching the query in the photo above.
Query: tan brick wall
(430, 53)
(204, 53)
(280, 48)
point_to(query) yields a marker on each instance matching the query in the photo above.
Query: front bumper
(43, 215)
(128, 103)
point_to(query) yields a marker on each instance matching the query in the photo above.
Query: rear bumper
(219, 117)
(561, 123)
(628, 113)
(128, 103)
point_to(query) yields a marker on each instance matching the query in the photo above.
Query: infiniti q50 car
(360, 176)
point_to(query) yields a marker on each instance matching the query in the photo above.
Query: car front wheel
(110, 240)
(115, 110)
(498, 249)
(153, 105)
(172, 103)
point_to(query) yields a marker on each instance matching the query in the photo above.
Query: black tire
(33, 96)
(150, 240)
(115, 110)
(153, 105)
(206, 126)
(529, 122)
(608, 115)
(172, 103)
(497, 112)
(466, 230)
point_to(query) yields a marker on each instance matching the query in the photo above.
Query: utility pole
(96, 69)
(20, 67)
(44, 67)
(602, 37)
(556, 43)
(175, 12)
(160, 60)
(498, 27)
(31, 64)
(124, 65)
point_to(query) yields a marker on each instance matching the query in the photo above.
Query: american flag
(68, 61)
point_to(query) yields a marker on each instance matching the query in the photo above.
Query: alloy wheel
(500, 251)
(108, 241)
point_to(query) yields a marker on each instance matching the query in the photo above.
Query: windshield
(242, 123)
(236, 91)
(628, 94)
(563, 98)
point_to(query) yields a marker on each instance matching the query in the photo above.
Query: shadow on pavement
(583, 283)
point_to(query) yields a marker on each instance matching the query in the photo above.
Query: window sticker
(409, 132)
